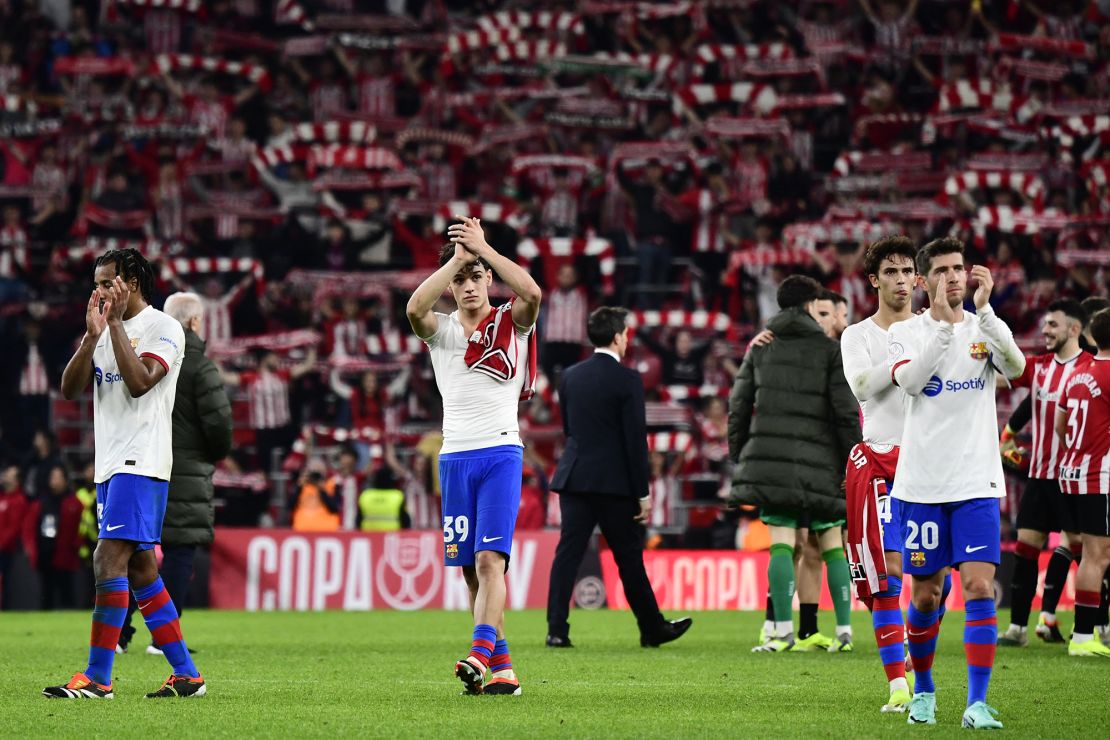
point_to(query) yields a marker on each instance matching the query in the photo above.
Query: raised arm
(470, 235)
(1007, 357)
(140, 373)
(419, 308)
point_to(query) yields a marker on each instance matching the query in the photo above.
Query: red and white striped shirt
(210, 116)
(162, 29)
(439, 181)
(13, 260)
(348, 487)
(267, 398)
(347, 338)
(1045, 377)
(567, 311)
(751, 181)
(560, 211)
(376, 95)
(1085, 465)
(216, 327)
(33, 380)
(51, 178)
(662, 493)
(169, 210)
(422, 505)
(706, 235)
(328, 98)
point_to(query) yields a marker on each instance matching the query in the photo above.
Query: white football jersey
(135, 435)
(478, 411)
(863, 347)
(950, 436)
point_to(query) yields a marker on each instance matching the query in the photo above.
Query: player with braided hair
(133, 352)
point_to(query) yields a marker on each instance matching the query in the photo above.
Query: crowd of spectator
(295, 162)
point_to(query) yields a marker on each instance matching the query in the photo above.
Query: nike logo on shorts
(489, 539)
(969, 549)
(110, 528)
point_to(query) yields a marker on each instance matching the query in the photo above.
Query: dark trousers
(614, 514)
(555, 357)
(268, 440)
(57, 588)
(177, 575)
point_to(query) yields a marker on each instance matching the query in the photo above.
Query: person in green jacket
(792, 422)
(201, 438)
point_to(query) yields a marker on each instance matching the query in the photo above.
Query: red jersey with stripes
(1045, 376)
(267, 398)
(1085, 463)
(134, 435)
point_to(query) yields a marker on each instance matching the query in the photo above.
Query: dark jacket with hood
(792, 421)
(201, 438)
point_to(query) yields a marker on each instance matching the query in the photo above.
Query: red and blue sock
(500, 661)
(485, 639)
(890, 629)
(944, 591)
(161, 619)
(923, 630)
(980, 638)
(108, 615)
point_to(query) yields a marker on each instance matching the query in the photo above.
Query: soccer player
(1043, 508)
(949, 475)
(889, 266)
(1083, 427)
(481, 356)
(134, 353)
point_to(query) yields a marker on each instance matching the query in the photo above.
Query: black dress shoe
(670, 630)
(558, 642)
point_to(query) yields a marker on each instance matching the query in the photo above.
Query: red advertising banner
(693, 580)
(279, 569)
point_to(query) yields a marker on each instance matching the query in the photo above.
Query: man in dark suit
(602, 479)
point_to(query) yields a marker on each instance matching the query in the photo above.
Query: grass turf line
(389, 674)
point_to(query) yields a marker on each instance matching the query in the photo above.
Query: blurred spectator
(314, 508)
(43, 458)
(381, 507)
(13, 508)
(564, 323)
(344, 486)
(51, 538)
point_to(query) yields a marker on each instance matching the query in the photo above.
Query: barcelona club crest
(452, 550)
(979, 351)
(917, 559)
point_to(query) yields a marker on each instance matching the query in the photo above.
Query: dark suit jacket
(603, 418)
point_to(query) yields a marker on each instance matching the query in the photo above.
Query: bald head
(187, 309)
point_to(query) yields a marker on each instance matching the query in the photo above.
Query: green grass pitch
(389, 674)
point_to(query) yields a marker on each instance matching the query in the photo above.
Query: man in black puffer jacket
(792, 422)
(201, 438)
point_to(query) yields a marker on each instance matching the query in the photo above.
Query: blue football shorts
(890, 516)
(481, 498)
(939, 535)
(132, 507)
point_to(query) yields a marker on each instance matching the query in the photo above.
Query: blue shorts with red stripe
(481, 498)
(132, 507)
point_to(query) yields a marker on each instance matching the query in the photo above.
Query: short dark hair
(130, 265)
(885, 248)
(447, 253)
(1071, 308)
(605, 323)
(832, 295)
(1100, 329)
(1093, 304)
(935, 248)
(798, 290)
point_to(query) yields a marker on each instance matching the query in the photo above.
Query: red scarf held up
(492, 350)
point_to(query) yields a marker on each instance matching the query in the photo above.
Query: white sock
(1079, 639)
(507, 673)
(844, 630)
(768, 626)
(784, 629)
(1049, 619)
(1017, 628)
(899, 683)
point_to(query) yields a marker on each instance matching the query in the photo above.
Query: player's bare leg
(1088, 586)
(807, 573)
(488, 600)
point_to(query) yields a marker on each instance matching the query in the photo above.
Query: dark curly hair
(130, 265)
(886, 248)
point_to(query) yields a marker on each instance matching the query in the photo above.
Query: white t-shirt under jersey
(863, 347)
(135, 435)
(478, 411)
(950, 438)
